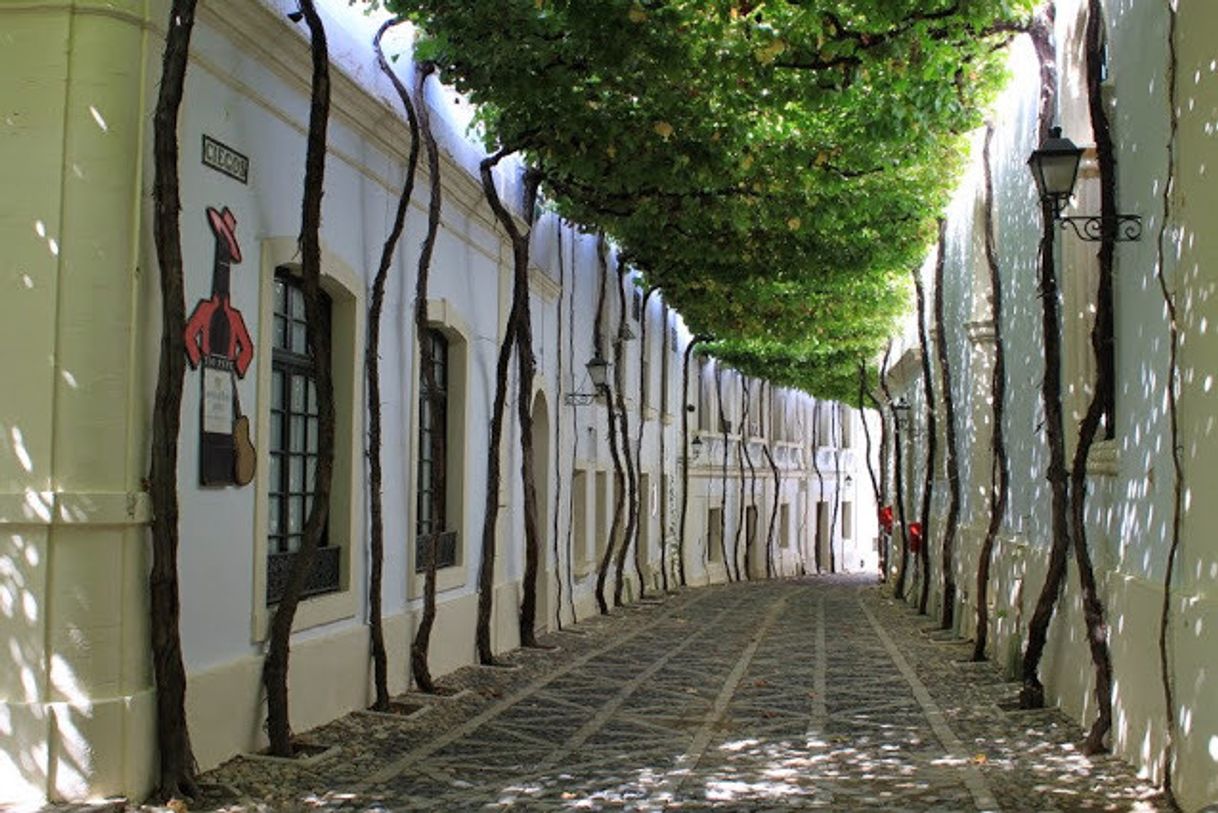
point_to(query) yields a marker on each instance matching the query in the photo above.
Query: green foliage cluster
(775, 167)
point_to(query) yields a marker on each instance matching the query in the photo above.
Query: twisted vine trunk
(435, 406)
(526, 366)
(885, 539)
(574, 441)
(490, 516)
(640, 555)
(820, 486)
(875, 486)
(619, 476)
(619, 499)
(490, 527)
(727, 565)
(950, 524)
(689, 350)
(742, 454)
(898, 481)
(928, 475)
(665, 582)
(1032, 695)
(372, 372)
(518, 335)
(835, 434)
(1000, 472)
(176, 777)
(1102, 400)
(554, 530)
(632, 483)
(751, 533)
(771, 568)
(275, 668)
(1173, 374)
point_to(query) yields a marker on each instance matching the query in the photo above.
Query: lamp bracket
(1091, 229)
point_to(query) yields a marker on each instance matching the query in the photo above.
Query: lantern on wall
(1054, 166)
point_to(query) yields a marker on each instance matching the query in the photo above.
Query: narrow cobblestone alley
(816, 693)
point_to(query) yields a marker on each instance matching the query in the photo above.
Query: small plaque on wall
(225, 159)
(217, 400)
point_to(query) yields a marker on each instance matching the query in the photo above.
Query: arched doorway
(541, 476)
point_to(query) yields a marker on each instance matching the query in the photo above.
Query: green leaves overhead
(775, 167)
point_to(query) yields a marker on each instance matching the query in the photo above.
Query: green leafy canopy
(775, 167)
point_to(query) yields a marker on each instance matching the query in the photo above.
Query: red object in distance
(886, 519)
(915, 536)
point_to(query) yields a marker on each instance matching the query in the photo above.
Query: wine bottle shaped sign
(218, 343)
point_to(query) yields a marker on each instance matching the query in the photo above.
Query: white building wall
(1129, 502)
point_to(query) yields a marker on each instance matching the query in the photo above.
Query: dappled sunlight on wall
(42, 704)
(1128, 504)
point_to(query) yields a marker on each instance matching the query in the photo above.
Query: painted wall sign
(218, 341)
(225, 159)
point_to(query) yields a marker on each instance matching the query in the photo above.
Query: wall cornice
(542, 285)
(252, 25)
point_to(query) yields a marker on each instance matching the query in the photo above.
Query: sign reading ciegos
(225, 159)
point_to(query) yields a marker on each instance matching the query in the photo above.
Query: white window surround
(442, 316)
(346, 292)
(592, 552)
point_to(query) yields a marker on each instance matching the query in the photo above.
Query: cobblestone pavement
(820, 693)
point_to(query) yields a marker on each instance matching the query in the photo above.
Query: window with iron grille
(433, 451)
(292, 444)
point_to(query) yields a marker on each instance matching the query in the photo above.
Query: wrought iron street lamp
(1054, 167)
(598, 371)
(900, 410)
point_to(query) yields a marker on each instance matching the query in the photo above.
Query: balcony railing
(446, 550)
(323, 575)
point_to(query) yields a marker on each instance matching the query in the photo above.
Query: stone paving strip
(688, 761)
(1031, 760)
(973, 778)
(614, 706)
(423, 751)
(821, 693)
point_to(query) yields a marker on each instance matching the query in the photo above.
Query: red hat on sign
(224, 225)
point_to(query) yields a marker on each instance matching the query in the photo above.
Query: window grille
(433, 462)
(292, 445)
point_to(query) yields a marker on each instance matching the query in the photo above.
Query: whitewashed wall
(1129, 503)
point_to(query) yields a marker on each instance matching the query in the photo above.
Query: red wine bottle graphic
(218, 342)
